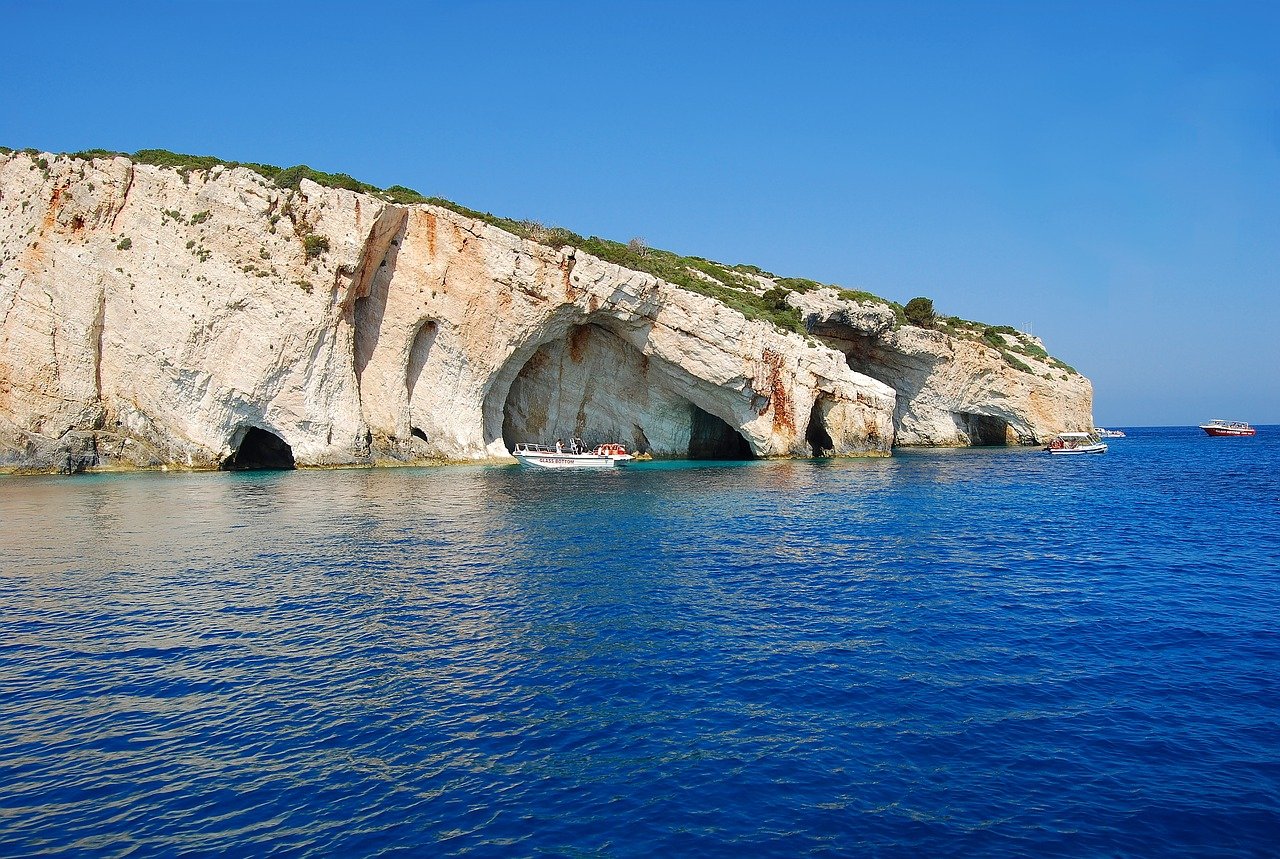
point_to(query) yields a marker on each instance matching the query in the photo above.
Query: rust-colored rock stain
(578, 339)
(779, 396)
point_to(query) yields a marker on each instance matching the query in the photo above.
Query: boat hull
(1084, 448)
(1227, 431)
(570, 460)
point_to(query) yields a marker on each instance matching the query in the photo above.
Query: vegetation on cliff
(752, 291)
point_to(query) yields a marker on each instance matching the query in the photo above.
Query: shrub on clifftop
(919, 312)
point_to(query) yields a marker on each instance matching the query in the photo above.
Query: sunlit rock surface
(953, 391)
(155, 317)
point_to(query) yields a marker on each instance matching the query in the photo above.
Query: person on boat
(559, 445)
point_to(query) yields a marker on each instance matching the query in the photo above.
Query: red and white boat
(1228, 428)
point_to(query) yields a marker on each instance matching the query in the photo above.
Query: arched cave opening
(712, 438)
(423, 340)
(594, 385)
(816, 434)
(864, 356)
(983, 430)
(260, 450)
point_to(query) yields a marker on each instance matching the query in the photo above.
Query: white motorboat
(1106, 433)
(1076, 442)
(541, 456)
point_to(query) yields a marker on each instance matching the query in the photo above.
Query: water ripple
(944, 653)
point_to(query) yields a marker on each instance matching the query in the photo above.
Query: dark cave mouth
(260, 450)
(983, 430)
(816, 435)
(712, 438)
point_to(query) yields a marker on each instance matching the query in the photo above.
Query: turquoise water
(975, 652)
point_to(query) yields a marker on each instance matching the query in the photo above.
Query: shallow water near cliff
(972, 652)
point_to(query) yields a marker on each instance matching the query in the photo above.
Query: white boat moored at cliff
(541, 456)
(1076, 442)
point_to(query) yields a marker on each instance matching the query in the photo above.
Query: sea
(980, 652)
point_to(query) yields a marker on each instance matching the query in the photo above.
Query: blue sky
(1104, 173)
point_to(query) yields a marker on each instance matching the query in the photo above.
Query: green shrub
(799, 284)
(291, 178)
(90, 154)
(775, 298)
(200, 217)
(124, 244)
(401, 194)
(919, 312)
(266, 171)
(175, 160)
(315, 244)
(1062, 365)
(861, 296)
(1014, 362)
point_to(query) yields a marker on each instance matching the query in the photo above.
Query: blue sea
(983, 652)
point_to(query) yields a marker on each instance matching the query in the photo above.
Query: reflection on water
(975, 651)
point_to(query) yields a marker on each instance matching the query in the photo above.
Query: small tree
(638, 247)
(919, 312)
(775, 298)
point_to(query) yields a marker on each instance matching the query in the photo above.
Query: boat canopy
(1074, 435)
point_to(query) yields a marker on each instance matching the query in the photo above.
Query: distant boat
(1076, 442)
(1106, 433)
(541, 456)
(1225, 428)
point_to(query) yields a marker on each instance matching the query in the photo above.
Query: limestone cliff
(151, 316)
(974, 385)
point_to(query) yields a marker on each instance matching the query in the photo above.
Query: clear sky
(1106, 174)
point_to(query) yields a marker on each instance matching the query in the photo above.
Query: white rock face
(149, 317)
(952, 391)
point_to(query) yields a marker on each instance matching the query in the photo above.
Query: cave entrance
(423, 340)
(816, 434)
(983, 430)
(260, 450)
(595, 385)
(712, 438)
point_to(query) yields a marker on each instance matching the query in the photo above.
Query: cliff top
(749, 289)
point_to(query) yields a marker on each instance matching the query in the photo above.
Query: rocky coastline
(157, 317)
